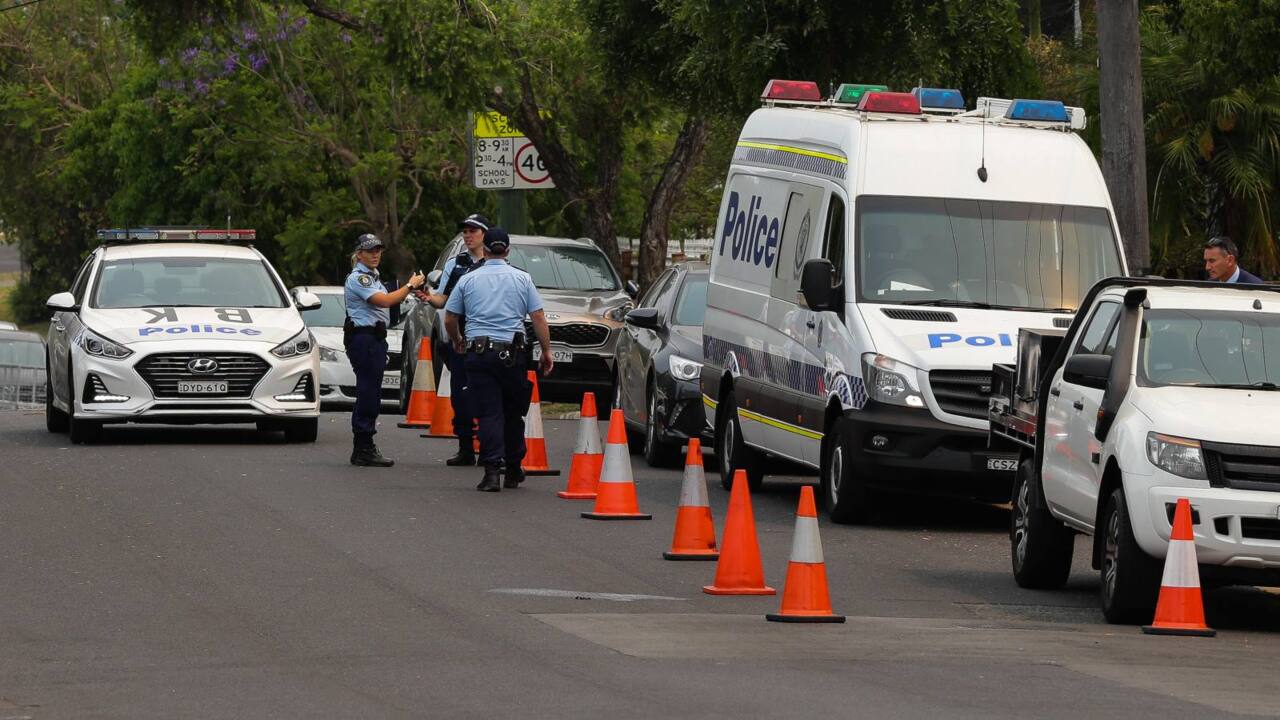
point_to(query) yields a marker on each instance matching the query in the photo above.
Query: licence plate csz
(1002, 464)
(202, 387)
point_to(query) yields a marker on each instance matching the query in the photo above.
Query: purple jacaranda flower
(257, 62)
(229, 65)
(189, 55)
(249, 34)
(200, 86)
(299, 23)
(346, 38)
(163, 62)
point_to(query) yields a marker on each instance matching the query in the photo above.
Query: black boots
(465, 457)
(366, 453)
(514, 475)
(491, 481)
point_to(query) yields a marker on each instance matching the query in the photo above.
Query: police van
(180, 325)
(875, 254)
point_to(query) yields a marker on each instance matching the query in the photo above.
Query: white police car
(162, 325)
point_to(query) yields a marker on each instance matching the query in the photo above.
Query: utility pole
(1124, 153)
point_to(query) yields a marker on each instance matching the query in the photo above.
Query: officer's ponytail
(355, 258)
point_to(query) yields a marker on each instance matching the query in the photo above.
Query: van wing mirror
(646, 317)
(62, 301)
(1088, 370)
(817, 284)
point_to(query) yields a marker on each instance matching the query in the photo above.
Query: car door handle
(1055, 392)
(1078, 404)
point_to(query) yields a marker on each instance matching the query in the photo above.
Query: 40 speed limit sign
(502, 158)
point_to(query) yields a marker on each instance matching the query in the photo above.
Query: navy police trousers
(459, 396)
(500, 398)
(368, 356)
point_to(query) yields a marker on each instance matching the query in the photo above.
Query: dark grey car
(659, 362)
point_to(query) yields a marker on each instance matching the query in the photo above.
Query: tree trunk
(654, 231)
(1033, 19)
(1124, 156)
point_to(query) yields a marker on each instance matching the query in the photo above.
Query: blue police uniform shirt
(361, 285)
(451, 264)
(495, 297)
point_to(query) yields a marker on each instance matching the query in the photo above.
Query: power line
(20, 3)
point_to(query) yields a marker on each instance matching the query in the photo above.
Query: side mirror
(1088, 370)
(818, 285)
(632, 289)
(643, 318)
(433, 278)
(304, 300)
(62, 301)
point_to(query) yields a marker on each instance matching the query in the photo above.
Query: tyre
(55, 420)
(302, 431)
(1130, 577)
(657, 453)
(407, 364)
(845, 494)
(732, 453)
(1040, 545)
(82, 432)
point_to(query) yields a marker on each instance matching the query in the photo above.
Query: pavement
(214, 572)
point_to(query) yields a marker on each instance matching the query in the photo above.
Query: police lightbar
(889, 102)
(792, 91)
(171, 234)
(939, 99)
(1002, 108)
(851, 93)
(1051, 111)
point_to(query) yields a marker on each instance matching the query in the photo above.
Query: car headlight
(299, 344)
(619, 313)
(1176, 455)
(684, 368)
(891, 381)
(98, 346)
(331, 355)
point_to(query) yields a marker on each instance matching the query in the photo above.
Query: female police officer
(365, 338)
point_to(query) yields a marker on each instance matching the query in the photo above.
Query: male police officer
(1220, 262)
(496, 297)
(473, 228)
(365, 340)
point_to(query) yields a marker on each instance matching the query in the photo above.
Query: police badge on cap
(368, 241)
(475, 220)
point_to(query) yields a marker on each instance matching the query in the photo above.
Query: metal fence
(21, 388)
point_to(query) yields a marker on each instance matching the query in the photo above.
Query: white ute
(1161, 389)
(164, 325)
(876, 254)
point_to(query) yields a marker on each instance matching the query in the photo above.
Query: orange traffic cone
(535, 445)
(588, 458)
(695, 535)
(616, 491)
(1180, 610)
(739, 571)
(804, 597)
(442, 410)
(423, 393)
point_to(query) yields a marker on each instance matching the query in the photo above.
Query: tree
(1123, 141)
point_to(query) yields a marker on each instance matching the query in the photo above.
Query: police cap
(368, 241)
(496, 240)
(475, 220)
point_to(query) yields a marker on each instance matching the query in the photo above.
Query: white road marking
(578, 595)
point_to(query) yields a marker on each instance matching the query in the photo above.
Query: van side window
(800, 229)
(1093, 341)
(833, 237)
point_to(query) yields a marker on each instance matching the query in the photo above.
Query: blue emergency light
(1052, 111)
(939, 99)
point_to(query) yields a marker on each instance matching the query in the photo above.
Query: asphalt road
(175, 573)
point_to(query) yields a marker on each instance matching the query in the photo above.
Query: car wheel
(657, 453)
(82, 432)
(55, 420)
(732, 453)
(1040, 545)
(302, 431)
(845, 494)
(1130, 577)
(407, 365)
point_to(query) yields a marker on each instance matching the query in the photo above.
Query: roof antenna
(982, 165)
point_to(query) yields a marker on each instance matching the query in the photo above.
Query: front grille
(1242, 467)
(241, 371)
(962, 392)
(919, 315)
(574, 334)
(394, 360)
(1260, 528)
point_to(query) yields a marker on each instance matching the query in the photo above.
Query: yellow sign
(494, 125)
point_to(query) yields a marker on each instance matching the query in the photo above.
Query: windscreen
(1209, 348)
(21, 353)
(565, 268)
(331, 313)
(937, 251)
(691, 303)
(186, 282)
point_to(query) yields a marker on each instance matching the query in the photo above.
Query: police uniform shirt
(361, 285)
(495, 297)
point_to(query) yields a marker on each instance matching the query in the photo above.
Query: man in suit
(1220, 262)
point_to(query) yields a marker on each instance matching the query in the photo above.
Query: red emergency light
(890, 102)
(792, 91)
